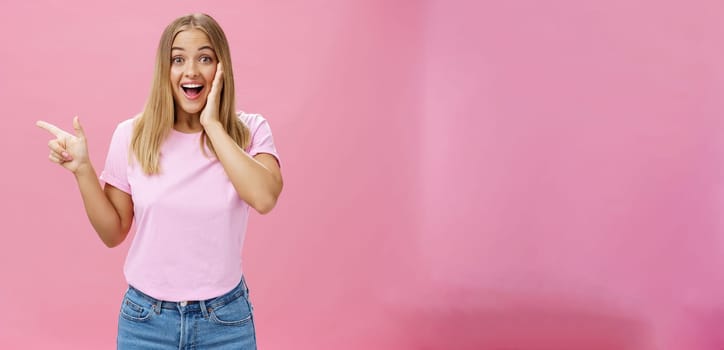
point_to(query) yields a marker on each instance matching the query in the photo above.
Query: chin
(190, 108)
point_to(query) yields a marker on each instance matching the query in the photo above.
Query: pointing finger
(51, 128)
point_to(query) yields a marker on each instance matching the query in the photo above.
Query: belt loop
(157, 306)
(202, 305)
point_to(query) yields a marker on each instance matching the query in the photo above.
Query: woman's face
(193, 65)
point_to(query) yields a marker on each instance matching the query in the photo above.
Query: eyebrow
(200, 48)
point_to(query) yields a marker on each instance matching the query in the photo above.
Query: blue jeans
(220, 323)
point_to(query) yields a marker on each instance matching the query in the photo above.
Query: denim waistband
(191, 305)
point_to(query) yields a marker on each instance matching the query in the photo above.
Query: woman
(186, 169)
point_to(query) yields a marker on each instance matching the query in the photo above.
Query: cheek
(209, 74)
(175, 75)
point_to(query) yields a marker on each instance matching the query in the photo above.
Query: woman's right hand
(68, 150)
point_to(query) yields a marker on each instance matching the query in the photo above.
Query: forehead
(191, 39)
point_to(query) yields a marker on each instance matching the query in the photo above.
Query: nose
(191, 70)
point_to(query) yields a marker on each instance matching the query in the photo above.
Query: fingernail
(65, 154)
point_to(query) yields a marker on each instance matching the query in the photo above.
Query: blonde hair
(154, 124)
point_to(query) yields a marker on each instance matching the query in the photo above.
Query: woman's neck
(188, 123)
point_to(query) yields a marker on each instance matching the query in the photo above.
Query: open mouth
(192, 91)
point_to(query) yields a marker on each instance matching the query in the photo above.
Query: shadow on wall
(524, 323)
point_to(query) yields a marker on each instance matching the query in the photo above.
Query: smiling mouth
(192, 91)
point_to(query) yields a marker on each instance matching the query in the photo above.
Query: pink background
(458, 174)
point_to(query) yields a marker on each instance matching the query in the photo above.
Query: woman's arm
(257, 180)
(109, 210)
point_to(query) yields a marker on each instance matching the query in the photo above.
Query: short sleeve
(115, 171)
(262, 140)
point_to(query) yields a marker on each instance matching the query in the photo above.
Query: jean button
(183, 303)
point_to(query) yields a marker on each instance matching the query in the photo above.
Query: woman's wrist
(212, 127)
(84, 169)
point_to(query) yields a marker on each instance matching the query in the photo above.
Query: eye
(177, 60)
(206, 59)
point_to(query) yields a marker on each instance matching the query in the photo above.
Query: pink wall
(467, 175)
(572, 176)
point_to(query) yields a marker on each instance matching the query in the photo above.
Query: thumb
(78, 129)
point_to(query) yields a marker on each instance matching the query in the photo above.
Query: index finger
(219, 73)
(50, 128)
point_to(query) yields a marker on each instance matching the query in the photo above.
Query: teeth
(191, 86)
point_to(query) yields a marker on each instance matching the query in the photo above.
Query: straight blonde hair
(154, 124)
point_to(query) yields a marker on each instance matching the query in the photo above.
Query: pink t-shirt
(190, 222)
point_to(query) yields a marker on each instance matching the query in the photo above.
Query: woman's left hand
(210, 113)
